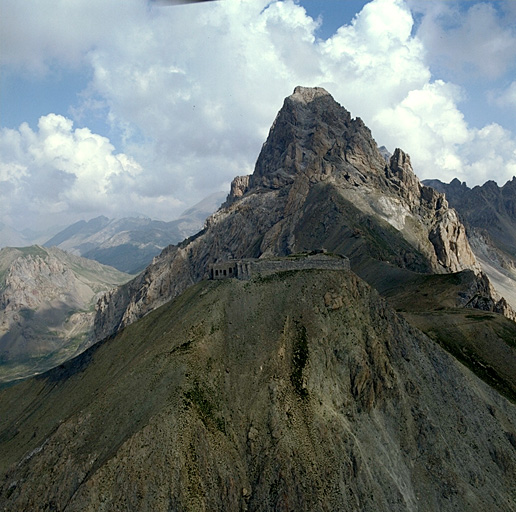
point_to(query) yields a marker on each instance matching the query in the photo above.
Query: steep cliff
(489, 214)
(319, 169)
(488, 207)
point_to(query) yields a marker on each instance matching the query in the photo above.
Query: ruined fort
(245, 269)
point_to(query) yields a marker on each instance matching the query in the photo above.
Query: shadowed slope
(301, 391)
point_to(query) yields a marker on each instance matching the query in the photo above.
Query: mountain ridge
(130, 243)
(322, 398)
(313, 144)
(489, 213)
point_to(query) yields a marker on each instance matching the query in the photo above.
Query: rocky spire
(313, 135)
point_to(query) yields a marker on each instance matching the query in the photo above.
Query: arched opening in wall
(225, 272)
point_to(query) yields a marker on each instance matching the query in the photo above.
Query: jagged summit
(314, 139)
(308, 94)
(313, 135)
(320, 181)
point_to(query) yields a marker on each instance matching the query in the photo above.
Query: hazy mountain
(301, 390)
(130, 243)
(192, 220)
(489, 213)
(10, 237)
(47, 300)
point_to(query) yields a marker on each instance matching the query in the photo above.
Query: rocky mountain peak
(239, 186)
(402, 176)
(400, 162)
(320, 181)
(403, 180)
(312, 135)
(308, 94)
(456, 183)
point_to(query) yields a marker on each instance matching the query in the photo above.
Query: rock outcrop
(446, 233)
(313, 145)
(489, 214)
(239, 186)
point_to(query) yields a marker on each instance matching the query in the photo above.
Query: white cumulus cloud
(61, 172)
(191, 92)
(506, 97)
(472, 38)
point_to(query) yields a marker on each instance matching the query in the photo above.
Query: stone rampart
(247, 268)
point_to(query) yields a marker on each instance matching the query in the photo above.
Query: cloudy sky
(124, 107)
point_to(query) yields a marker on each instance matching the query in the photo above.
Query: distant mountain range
(10, 237)
(130, 243)
(127, 244)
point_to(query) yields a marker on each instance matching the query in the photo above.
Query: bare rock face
(402, 175)
(239, 186)
(445, 231)
(489, 215)
(489, 208)
(482, 295)
(32, 281)
(312, 136)
(313, 142)
(451, 245)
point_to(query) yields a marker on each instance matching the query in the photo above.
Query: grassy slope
(300, 391)
(483, 341)
(383, 258)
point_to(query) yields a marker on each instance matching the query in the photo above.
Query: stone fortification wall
(248, 268)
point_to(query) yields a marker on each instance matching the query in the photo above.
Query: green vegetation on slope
(197, 407)
(484, 341)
